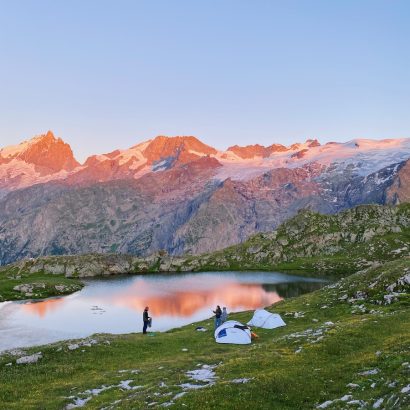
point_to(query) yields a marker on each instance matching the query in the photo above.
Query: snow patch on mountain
(134, 153)
(14, 150)
(361, 156)
(21, 174)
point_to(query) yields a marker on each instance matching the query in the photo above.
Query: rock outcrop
(346, 242)
(399, 191)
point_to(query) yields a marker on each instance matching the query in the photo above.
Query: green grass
(44, 284)
(364, 335)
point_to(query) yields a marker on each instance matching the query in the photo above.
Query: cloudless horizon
(105, 75)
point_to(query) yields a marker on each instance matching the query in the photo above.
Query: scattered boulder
(34, 358)
(325, 404)
(28, 289)
(61, 288)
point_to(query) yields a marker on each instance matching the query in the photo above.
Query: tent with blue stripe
(233, 332)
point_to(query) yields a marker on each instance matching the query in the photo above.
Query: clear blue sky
(107, 74)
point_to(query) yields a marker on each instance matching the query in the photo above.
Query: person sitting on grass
(218, 313)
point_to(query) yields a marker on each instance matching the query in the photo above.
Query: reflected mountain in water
(176, 304)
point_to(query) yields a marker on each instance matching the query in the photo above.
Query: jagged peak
(312, 143)
(43, 150)
(257, 150)
(48, 136)
(13, 151)
(179, 140)
(184, 147)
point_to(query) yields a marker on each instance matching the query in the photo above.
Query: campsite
(205, 205)
(234, 332)
(342, 343)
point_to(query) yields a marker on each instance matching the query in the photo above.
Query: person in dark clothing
(146, 319)
(218, 313)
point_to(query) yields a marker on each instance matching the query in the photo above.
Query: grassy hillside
(344, 346)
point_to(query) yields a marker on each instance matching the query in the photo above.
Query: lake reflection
(115, 305)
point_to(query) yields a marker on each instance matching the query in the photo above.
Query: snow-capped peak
(46, 151)
(13, 151)
(46, 156)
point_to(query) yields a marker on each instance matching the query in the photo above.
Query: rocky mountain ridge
(355, 239)
(47, 158)
(180, 195)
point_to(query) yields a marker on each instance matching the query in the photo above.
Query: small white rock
(240, 381)
(179, 395)
(352, 385)
(355, 402)
(369, 372)
(325, 405)
(405, 389)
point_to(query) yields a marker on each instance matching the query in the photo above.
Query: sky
(108, 74)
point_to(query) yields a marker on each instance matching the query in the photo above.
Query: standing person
(146, 319)
(224, 315)
(218, 313)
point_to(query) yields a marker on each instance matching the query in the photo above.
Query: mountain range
(180, 195)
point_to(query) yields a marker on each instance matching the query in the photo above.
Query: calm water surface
(115, 305)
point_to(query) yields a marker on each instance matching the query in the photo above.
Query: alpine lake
(115, 304)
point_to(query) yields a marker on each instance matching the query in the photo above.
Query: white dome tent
(233, 332)
(266, 320)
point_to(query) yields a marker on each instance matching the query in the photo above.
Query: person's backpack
(150, 322)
